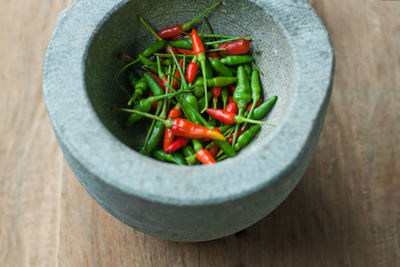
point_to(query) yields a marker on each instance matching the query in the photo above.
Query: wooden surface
(345, 211)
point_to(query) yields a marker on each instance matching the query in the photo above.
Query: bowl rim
(81, 133)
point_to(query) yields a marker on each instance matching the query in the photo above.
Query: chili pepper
(238, 47)
(159, 81)
(181, 127)
(232, 107)
(225, 95)
(221, 81)
(236, 60)
(209, 70)
(161, 75)
(230, 117)
(140, 86)
(155, 84)
(240, 132)
(216, 94)
(213, 150)
(182, 43)
(179, 158)
(168, 135)
(192, 71)
(205, 157)
(192, 100)
(199, 83)
(185, 51)
(264, 108)
(249, 69)
(246, 137)
(154, 48)
(259, 102)
(199, 51)
(154, 138)
(162, 156)
(144, 105)
(176, 145)
(197, 145)
(230, 99)
(255, 91)
(232, 88)
(220, 68)
(148, 63)
(202, 101)
(190, 155)
(242, 94)
(176, 30)
(213, 55)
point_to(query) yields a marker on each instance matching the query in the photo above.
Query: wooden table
(345, 211)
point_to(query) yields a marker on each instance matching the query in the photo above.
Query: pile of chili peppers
(201, 91)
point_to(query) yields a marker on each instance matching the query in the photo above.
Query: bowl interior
(123, 32)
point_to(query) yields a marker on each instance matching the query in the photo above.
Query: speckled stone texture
(186, 203)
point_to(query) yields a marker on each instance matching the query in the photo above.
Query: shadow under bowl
(197, 203)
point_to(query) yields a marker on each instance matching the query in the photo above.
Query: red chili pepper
(171, 32)
(213, 54)
(205, 140)
(205, 157)
(232, 107)
(154, 105)
(230, 99)
(240, 132)
(214, 150)
(217, 92)
(178, 144)
(222, 115)
(159, 81)
(198, 46)
(168, 135)
(191, 72)
(185, 51)
(185, 128)
(257, 104)
(239, 47)
(232, 88)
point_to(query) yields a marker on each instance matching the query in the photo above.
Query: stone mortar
(178, 203)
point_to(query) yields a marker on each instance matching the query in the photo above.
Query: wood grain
(345, 211)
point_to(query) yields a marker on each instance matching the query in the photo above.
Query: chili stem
(236, 129)
(147, 115)
(225, 40)
(255, 66)
(187, 26)
(150, 29)
(216, 50)
(170, 56)
(184, 83)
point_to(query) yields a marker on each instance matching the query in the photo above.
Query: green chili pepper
(209, 70)
(262, 110)
(242, 94)
(190, 155)
(197, 145)
(154, 139)
(182, 43)
(246, 137)
(220, 68)
(221, 81)
(202, 101)
(179, 158)
(199, 83)
(140, 87)
(148, 63)
(225, 96)
(153, 84)
(248, 68)
(255, 92)
(154, 48)
(192, 100)
(162, 156)
(226, 147)
(236, 60)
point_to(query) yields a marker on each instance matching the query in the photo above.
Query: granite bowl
(198, 203)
